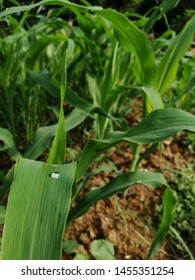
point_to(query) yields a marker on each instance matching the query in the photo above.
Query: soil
(128, 221)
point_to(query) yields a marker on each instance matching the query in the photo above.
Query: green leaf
(117, 185)
(167, 5)
(44, 134)
(95, 171)
(2, 214)
(102, 249)
(156, 127)
(168, 66)
(169, 201)
(164, 7)
(10, 147)
(189, 85)
(75, 100)
(153, 100)
(23, 8)
(37, 210)
(44, 79)
(94, 90)
(33, 54)
(136, 42)
(7, 183)
(70, 246)
(154, 97)
(182, 242)
(80, 257)
(92, 150)
(57, 152)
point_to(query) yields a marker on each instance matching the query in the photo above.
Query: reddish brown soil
(128, 221)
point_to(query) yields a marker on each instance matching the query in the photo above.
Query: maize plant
(41, 194)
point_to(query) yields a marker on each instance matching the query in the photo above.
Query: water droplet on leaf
(55, 175)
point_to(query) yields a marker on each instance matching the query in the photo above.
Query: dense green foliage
(64, 64)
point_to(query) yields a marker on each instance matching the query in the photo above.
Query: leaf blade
(37, 210)
(7, 138)
(167, 68)
(2, 214)
(136, 42)
(117, 185)
(169, 201)
(156, 127)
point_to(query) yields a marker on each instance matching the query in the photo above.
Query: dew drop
(55, 175)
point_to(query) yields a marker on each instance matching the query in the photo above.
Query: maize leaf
(156, 127)
(136, 42)
(10, 147)
(167, 5)
(42, 139)
(188, 86)
(33, 54)
(128, 34)
(6, 183)
(57, 152)
(2, 214)
(37, 210)
(168, 66)
(58, 149)
(163, 8)
(154, 97)
(153, 100)
(44, 79)
(169, 201)
(117, 185)
(44, 134)
(182, 242)
(23, 8)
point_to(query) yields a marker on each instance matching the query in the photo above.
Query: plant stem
(135, 161)
(135, 157)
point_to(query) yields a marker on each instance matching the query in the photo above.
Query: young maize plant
(41, 194)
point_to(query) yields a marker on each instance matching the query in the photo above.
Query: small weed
(100, 249)
(189, 141)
